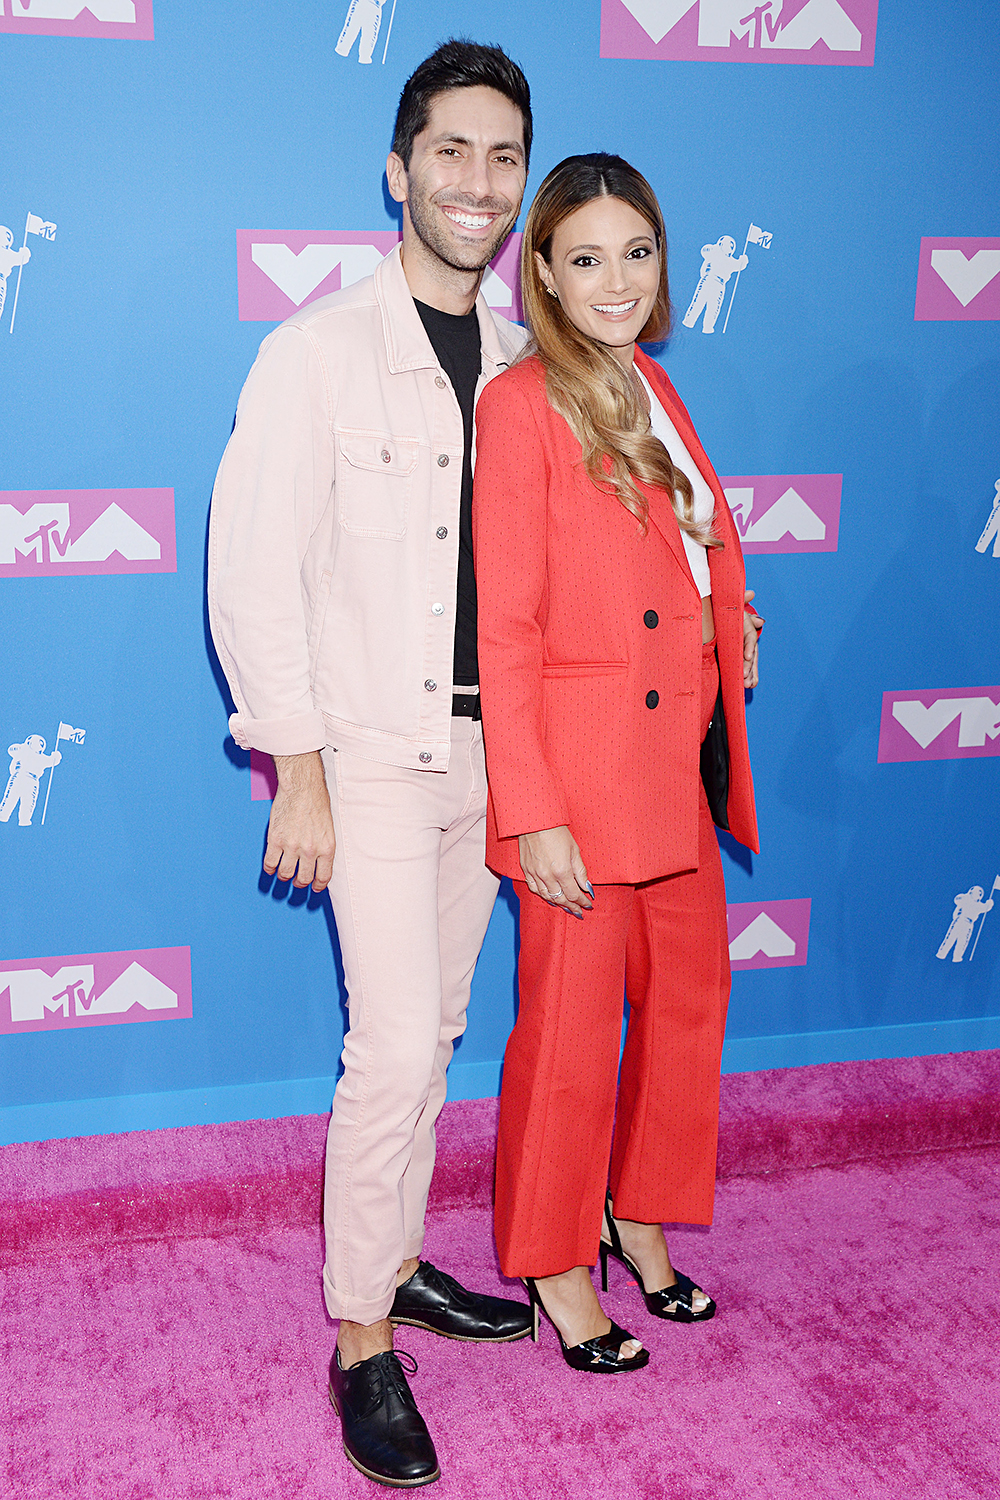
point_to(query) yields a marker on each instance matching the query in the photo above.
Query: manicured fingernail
(588, 887)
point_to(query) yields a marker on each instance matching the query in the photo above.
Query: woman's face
(605, 271)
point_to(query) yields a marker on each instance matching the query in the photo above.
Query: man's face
(464, 184)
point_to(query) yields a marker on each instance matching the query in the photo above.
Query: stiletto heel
(674, 1302)
(599, 1355)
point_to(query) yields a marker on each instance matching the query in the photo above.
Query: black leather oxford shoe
(434, 1301)
(384, 1434)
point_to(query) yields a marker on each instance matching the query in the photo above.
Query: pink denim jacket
(333, 545)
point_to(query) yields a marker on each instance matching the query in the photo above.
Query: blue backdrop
(121, 373)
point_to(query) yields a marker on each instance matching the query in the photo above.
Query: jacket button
(652, 698)
(440, 382)
(441, 533)
(651, 619)
(437, 609)
(386, 456)
(425, 756)
(430, 685)
(442, 460)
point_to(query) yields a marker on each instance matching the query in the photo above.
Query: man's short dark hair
(458, 64)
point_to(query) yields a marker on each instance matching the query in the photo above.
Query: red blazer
(581, 617)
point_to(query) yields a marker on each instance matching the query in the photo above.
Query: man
(343, 608)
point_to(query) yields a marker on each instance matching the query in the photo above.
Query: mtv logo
(55, 533)
(958, 280)
(768, 934)
(950, 724)
(785, 512)
(127, 19)
(279, 272)
(95, 989)
(826, 32)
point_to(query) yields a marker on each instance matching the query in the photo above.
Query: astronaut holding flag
(719, 262)
(75, 737)
(33, 224)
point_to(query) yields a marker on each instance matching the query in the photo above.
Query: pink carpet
(164, 1336)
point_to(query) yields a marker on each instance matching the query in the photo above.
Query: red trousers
(664, 943)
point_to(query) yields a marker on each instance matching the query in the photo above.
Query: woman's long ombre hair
(584, 382)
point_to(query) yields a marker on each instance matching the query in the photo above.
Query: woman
(611, 604)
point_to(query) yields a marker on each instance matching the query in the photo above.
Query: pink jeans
(412, 898)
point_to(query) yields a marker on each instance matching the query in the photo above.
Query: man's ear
(395, 174)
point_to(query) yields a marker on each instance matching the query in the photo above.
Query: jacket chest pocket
(374, 479)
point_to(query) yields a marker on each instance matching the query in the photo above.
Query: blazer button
(652, 698)
(651, 619)
(425, 756)
(442, 460)
(437, 609)
(441, 533)
(430, 685)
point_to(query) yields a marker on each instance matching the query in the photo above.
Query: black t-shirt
(457, 345)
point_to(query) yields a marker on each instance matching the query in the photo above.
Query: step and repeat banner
(180, 177)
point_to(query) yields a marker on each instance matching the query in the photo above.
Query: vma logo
(768, 934)
(95, 989)
(958, 280)
(785, 512)
(54, 533)
(953, 724)
(279, 272)
(831, 32)
(128, 19)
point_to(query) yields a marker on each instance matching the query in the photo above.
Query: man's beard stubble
(427, 232)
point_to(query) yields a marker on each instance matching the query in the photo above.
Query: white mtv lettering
(43, 530)
(789, 515)
(740, 500)
(966, 278)
(761, 936)
(32, 532)
(135, 987)
(818, 20)
(979, 717)
(33, 992)
(299, 274)
(113, 531)
(68, 10)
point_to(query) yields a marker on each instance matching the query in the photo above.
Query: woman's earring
(552, 292)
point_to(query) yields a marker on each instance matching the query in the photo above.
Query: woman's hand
(554, 869)
(752, 627)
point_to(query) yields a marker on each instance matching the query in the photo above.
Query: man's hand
(553, 868)
(752, 627)
(300, 839)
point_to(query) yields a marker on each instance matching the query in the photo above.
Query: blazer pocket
(583, 668)
(374, 478)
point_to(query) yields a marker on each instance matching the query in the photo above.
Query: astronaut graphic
(28, 764)
(9, 258)
(969, 907)
(718, 264)
(991, 531)
(363, 20)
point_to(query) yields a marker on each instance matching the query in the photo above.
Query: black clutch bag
(715, 766)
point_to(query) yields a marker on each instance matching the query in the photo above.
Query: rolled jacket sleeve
(510, 525)
(273, 489)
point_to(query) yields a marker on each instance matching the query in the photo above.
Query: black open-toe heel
(674, 1302)
(600, 1355)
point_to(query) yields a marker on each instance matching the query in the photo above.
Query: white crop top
(704, 500)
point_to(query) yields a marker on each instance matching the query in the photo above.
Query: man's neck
(432, 281)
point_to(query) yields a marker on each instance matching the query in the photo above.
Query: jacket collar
(407, 346)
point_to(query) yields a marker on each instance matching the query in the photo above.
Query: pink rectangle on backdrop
(940, 724)
(786, 512)
(830, 33)
(55, 533)
(768, 934)
(279, 271)
(263, 777)
(958, 280)
(94, 989)
(124, 20)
